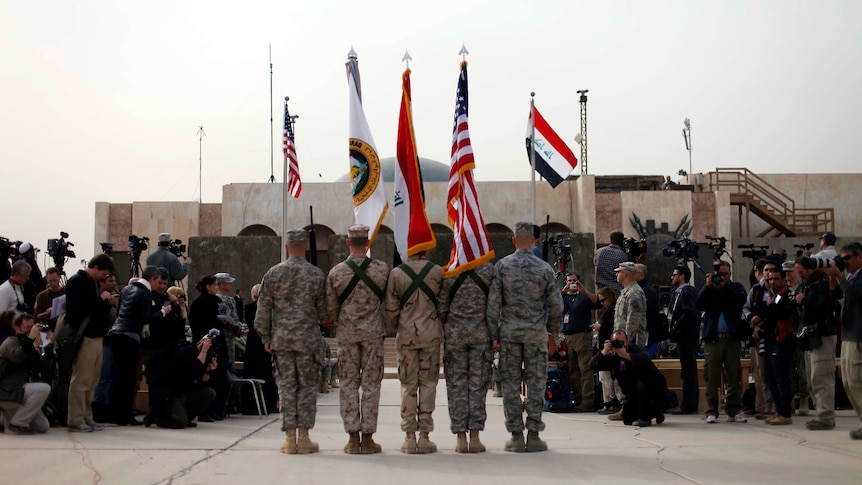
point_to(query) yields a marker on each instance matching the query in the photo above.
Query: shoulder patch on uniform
(636, 304)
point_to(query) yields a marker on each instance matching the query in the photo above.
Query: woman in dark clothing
(258, 362)
(203, 316)
(607, 298)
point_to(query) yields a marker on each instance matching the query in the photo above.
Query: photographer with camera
(851, 325)
(607, 259)
(203, 316)
(21, 393)
(642, 383)
(12, 290)
(721, 300)
(827, 247)
(753, 312)
(578, 304)
(164, 257)
(774, 327)
(176, 380)
(36, 283)
(818, 338)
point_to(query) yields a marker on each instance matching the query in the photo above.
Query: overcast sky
(102, 100)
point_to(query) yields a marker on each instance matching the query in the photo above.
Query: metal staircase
(757, 196)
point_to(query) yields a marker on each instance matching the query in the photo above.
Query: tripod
(135, 264)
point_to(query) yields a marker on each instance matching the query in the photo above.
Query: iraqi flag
(554, 160)
(413, 233)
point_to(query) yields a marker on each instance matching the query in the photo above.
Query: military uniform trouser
(467, 368)
(821, 378)
(533, 357)
(851, 373)
(297, 375)
(418, 371)
(360, 365)
(724, 354)
(579, 351)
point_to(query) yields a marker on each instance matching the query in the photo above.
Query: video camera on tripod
(177, 248)
(684, 250)
(634, 248)
(802, 248)
(137, 245)
(107, 248)
(59, 250)
(752, 251)
(718, 244)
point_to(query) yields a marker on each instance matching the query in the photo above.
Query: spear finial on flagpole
(352, 53)
(407, 59)
(463, 52)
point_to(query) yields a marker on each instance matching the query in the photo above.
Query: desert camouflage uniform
(630, 314)
(418, 340)
(360, 332)
(227, 306)
(290, 309)
(518, 320)
(467, 360)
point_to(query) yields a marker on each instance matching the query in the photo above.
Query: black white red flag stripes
(554, 160)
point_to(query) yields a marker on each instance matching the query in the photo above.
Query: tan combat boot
(353, 447)
(461, 443)
(369, 447)
(534, 443)
(289, 445)
(476, 446)
(516, 443)
(304, 444)
(425, 445)
(409, 446)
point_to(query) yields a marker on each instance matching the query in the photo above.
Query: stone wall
(246, 258)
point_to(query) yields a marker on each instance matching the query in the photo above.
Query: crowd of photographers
(72, 355)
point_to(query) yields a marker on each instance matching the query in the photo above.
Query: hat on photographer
(164, 239)
(829, 238)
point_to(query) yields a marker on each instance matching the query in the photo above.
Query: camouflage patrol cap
(524, 228)
(296, 235)
(627, 267)
(358, 231)
(788, 266)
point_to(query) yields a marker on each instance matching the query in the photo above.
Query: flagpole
(284, 198)
(533, 156)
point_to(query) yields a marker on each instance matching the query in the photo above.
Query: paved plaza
(584, 448)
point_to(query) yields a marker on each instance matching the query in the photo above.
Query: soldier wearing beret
(519, 325)
(290, 309)
(354, 292)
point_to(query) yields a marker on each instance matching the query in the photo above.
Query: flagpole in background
(533, 156)
(284, 194)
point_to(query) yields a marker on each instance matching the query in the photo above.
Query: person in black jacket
(135, 312)
(86, 307)
(163, 328)
(204, 316)
(175, 378)
(776, 330)
(685, 333)
(258, 362)
(721, 300)
(641, 381)
(611, 393)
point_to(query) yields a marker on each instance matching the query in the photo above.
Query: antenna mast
(271, 139)
(201, 134)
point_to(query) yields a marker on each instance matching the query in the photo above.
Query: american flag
(294, 185)
(471, 246)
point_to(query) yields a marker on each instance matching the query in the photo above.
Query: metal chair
(237, 383)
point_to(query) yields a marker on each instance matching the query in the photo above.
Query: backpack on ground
(558, 396)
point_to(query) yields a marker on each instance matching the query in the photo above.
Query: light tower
(582, 136)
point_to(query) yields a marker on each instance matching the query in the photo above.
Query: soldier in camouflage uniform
(290, 309)
(227, 307)
(630, 310)
(411, 309)
(519, 325)
(354, 291)
(467, 361)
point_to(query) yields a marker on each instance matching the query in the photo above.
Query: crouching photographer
(176, 378)
(644, 386)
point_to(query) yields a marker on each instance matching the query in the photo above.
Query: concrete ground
(583, 448)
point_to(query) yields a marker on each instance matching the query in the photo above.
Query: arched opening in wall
(495, 228)
(555, 228)
(257, 230)
(441, 229)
